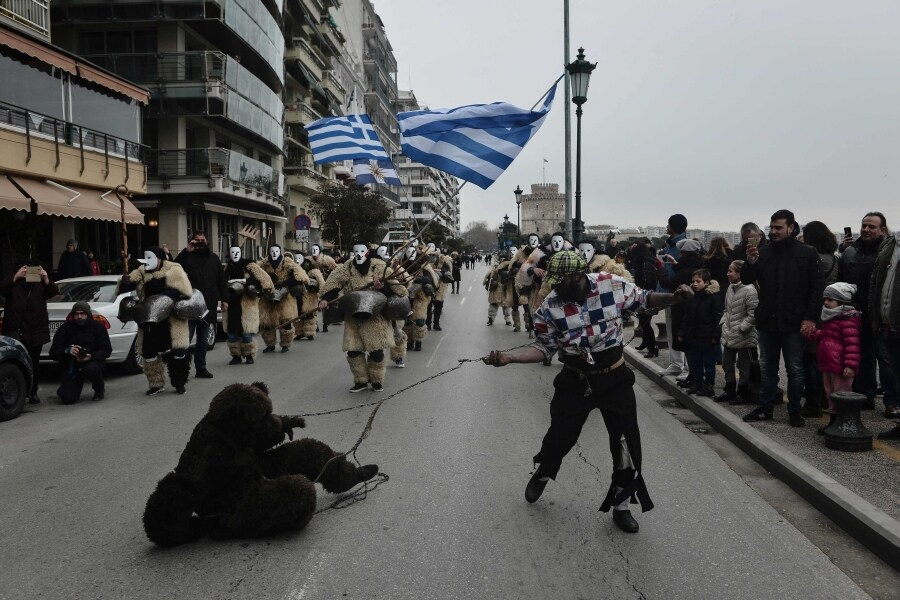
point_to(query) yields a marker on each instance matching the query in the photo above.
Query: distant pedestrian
(95, 265)
(72, 262)
(81, 345)
(718, 260)
(700, 330)
(738, 336)
(675, 229)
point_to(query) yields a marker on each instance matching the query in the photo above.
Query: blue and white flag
(375, 171)
(334, 139)
(475, 142)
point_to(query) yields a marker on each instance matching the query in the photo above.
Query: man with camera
(81, 345)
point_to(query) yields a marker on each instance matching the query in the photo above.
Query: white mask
(587, 251)
(431, 247)
(383, 253)
(360, 253)
(150, 261)
(315, 250)
(533, 241)
(299, 258)
(411, 253)
(557, 242)
(235, 253)
(274, 254)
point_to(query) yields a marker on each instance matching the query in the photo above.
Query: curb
(869, 525)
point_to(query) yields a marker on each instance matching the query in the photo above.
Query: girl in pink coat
(839, 346)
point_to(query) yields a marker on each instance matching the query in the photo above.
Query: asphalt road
(451, 522)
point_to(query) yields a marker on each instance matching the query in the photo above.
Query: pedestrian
(492, 283)
(278, 310)
(856, 266)
(751, 234)
(838, 351)
(581, 319)
(204, 271)
(675, 230)
(457, 273)
(645, 268)
(700, 330)
(790, 291)
(884, 309)
(95, 265)
(81, 346)
(246, 281)
(72, 262)
(25, 316)
(682, 273)
(738, 336)
(718, 260)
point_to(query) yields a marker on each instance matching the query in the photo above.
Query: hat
(678, 223)
(689, 246)
(840, 291)
(562, 264)
(72, 242)
(81, 307)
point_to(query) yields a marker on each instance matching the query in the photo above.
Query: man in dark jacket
(82, 346)
(73, 262)
(748, 231)
(856, 266)
(790, 300)
(205, 272)
(25, 315)
(884, 308)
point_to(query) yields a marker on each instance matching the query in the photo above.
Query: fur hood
(170, 271)
(712, 288)
(602, 262)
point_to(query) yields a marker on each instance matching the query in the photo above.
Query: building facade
(543, 210)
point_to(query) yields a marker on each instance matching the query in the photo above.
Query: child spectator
(839, 345)
(700, 331)
(738, 335)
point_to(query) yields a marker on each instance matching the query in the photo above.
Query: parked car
(15, 377)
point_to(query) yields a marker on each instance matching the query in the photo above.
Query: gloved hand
(288, 422)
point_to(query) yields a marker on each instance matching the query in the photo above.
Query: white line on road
(463, 301)
(470, 289)
(433, 352)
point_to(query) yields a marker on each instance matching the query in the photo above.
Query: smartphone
(848, 231)
(32, 274)
(753, 240)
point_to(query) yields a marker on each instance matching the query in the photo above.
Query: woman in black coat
(643, 263)
(25, 315)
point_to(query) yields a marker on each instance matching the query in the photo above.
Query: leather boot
(729, 393)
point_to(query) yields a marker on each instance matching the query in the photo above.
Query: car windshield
(86, 291)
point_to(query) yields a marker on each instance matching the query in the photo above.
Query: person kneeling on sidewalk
(81, 345)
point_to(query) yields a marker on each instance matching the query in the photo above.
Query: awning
(310, 79)
(68, 200)
(11, 197)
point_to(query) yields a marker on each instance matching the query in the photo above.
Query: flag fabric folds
(475, 142)
(375, 171)
(334, 139)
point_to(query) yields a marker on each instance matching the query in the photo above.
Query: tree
(349, 212)
(478, 234)
(435, 233)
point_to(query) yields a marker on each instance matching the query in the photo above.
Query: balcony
(31, 15)
(305, 179)
(332, 34)
(300, 113)
(219, 172)
(302, 52)
(331, 84)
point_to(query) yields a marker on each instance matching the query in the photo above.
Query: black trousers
(613, 394)
(34, 353)
(73, 376)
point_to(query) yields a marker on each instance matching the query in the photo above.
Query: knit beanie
(82, 307)
(840, 291)
(678, 223)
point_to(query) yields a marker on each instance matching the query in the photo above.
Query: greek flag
(475, 142)
(334, 139)
(375, 171)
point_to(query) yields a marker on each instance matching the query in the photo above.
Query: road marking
(433, 352)
(463, 301)
(470, 289)
(886, 449)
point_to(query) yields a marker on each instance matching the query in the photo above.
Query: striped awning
(11, 197)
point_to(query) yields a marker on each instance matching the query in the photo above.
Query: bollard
(847, 433)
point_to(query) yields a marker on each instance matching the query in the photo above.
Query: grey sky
(723, 110)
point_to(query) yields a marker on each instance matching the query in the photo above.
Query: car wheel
(134, 362)
(12, 391)
(211, 337)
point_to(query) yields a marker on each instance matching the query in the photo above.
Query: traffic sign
(302, 222)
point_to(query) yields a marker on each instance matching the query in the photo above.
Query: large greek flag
(334, 139)
(475, 142)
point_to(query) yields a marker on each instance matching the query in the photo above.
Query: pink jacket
(839, 344)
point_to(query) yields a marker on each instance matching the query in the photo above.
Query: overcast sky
(722, 110)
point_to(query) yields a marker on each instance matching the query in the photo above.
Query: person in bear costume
(241, 320)
(235, 478)
(308, 304)
(277, 309)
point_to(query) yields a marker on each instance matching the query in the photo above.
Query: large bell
(428, 289)
(279, 293)
(236, 286)
(297, 290)
(192, 308)
(154, 309)
(362, 304)
(397, 308)
(414, 289)
(313, 285)
(126, 309)
(447, 277)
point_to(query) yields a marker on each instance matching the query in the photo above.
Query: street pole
(580, 70)
(577, 226)
(568, 140)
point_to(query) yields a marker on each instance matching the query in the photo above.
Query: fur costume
(444, 265)
(375, 333)
(496, 295)
(324, 263)
(236, 479)
(243, 309)
(398, 350)
(415, 329)
(309, 303)
(602, 262)
(272, 314)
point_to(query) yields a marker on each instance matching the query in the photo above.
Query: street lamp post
(518, 193)
(580, 74)
(505, 232)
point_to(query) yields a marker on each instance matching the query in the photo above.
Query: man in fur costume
(325, 264)
(525, 290)
(417, 276)
(496, 282)
(535, 268)
(308, 304)
(235, 478)
(278, 308)
(597, 262)
(241, 320)
(158, 276)
(374, 335)
(443, 266)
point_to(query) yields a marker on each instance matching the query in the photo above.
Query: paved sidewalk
(858, 490)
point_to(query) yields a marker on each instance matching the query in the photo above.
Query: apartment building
(70, 134)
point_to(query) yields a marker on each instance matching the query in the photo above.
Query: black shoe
(268, 349)
(366, 472)
(890, 434)
(811, 409)
(536, 486)
(795, 419)
(179, 389)
(652, 353)
(235, 360)
(154, 391)
(358, 387)
(727, 394)
(738, 401)
(693, 390)
(410, 345)
(758, 414)
(417, 347)
(490, 322)
(203, 374)
(284, 349)
(98, 396)
(625, 522)
(437, 327)
(377, 387)
(33, 399)
(643, 345)
(687, 383)
(706, 391)
(249, 360)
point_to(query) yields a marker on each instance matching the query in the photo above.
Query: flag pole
(568, 125)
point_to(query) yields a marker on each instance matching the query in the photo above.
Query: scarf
(834, 313)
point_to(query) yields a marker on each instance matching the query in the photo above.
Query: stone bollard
(847, 433)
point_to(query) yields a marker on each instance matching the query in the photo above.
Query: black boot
(652, 353)
(729, 393)
(831, 418)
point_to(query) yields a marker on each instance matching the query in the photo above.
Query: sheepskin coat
(515, 268)
(324, 263)
(375, 333)
(310, 301)
(492, 280)
(420, 300)
(739, 319)
(444, 264)
(173, 277)
(602, 262)
(248, 305)
(273, 314)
